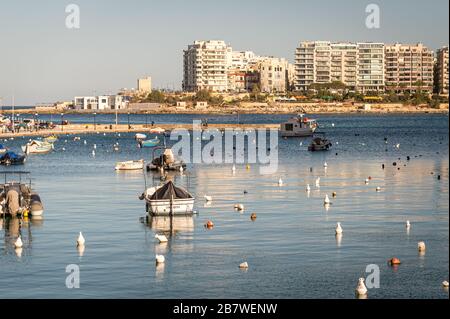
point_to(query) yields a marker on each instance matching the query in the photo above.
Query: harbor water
(291, 247)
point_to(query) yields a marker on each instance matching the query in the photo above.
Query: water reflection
(339, 240)
(171, 225)
(15, 227)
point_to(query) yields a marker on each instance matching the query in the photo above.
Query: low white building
(103, 102)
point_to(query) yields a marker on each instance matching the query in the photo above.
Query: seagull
(161, 238)
(160, 259)
(318, 182)
(339, 229)
(93, 153)
(367, 181)
(361, 289)
(421, 246)
(244, 265)
(80, 241)
(378, 189)
(208, 198)
(327, 200)
(325, 165)
(239, 207)
(18, 243)
(280, 182)
(408, 224)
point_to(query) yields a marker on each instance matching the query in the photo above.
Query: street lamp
(62, 122)
(36, 125)
(95, 122)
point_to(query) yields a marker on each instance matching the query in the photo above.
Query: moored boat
(299, 126)
(51, 139)
(150, 143)
(11, 158)
(3, 149)
(140, 137)
(319, 144)
(37, 147)
(130, 165)
(18, 197)
(168, 200)
(165, 161)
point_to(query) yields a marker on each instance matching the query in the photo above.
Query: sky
(42, 61)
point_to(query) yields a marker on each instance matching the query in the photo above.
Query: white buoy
(332, 124)
(81, 241)
(85, 142)
(233, 169)
(421, 246)
(160, 259)
(18, 243)
(339, 229)
(378, 189)
(398, 146)
(280, 182)
(367, 181)
(244, 265)
(325, 165)
(308, 188)
(93, 153)
(181, 169)
(318, 182)
(408, 224)
(361, 289)
(445, 284)
(95, 146)
(327, 200)
(208, 198)
(161, 238)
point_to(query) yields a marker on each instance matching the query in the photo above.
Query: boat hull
(166, 208)
(299, 133)
(130, 166)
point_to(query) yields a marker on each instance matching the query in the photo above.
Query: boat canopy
(10, 155)
(170, 191)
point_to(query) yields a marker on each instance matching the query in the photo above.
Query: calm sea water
(291, 247)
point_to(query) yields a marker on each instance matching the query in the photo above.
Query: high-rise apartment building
(409, 68)
(206, 66)
(441, 79)
(371, 61)
(325, 62)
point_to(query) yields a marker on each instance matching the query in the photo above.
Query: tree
(155, 97)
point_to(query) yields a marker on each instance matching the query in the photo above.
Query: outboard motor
(12, 201)
(36, 206)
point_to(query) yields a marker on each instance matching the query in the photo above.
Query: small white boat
(130, 165)
(37, 147)
(168, 200)
(140, 137)
(299, 126)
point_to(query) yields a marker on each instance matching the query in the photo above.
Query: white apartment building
(409, 68)
(371, 59)
(344, 64)
(206, 66)
(359, 66)
(442, 71)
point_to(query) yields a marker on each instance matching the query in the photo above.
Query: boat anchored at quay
(37, 147)
(299, 126)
